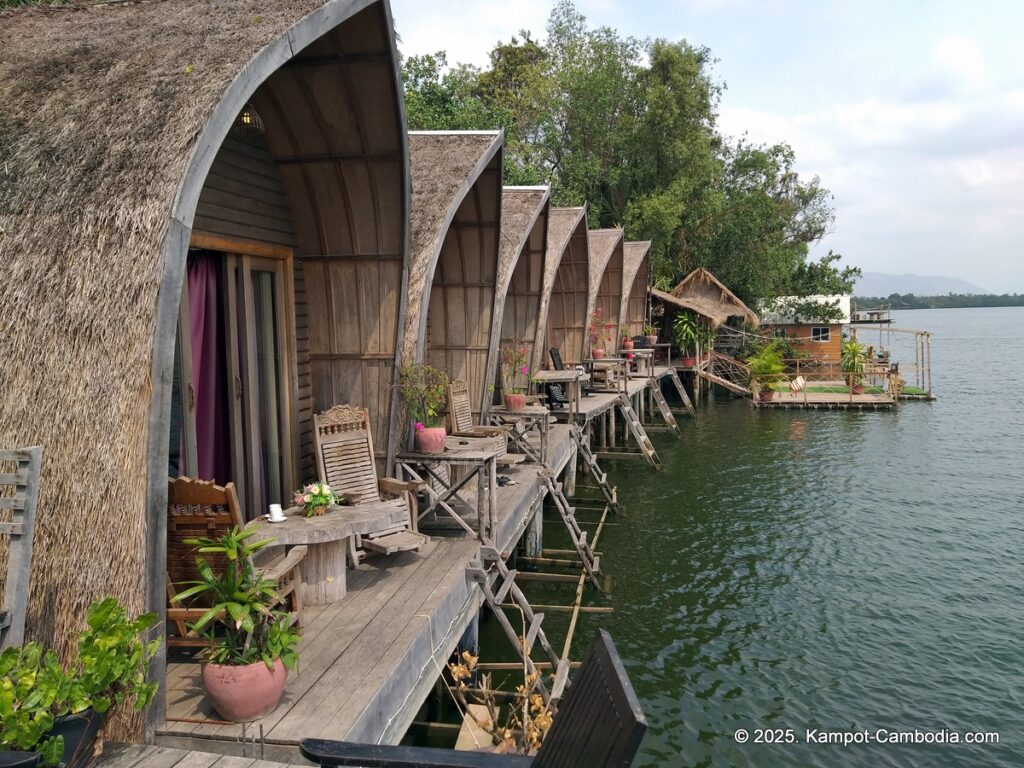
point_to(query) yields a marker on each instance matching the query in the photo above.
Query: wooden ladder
(506, 587)
(639, 434)
(666, 412)
(674, 375)
(610, 494)
(591, 564)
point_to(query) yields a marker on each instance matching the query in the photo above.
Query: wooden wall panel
(521, 313)
(635, 314)
(568, 312)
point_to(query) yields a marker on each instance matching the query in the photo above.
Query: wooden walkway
(600, 403)
(369, 661)
(142, 756)
(828, 401)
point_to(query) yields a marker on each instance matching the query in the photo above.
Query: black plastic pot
(18, 759)
(79, 732)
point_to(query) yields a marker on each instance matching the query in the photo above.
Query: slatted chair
(201, 509)
(344, 456)
(460, 414)
(19, 493)
(599, 724)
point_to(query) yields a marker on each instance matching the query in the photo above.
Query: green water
(829, 570)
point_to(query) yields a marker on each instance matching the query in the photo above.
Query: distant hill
(881, 284)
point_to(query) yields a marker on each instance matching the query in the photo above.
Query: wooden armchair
(344, 457)
(200, 509)
(599, 724)
(19, 492)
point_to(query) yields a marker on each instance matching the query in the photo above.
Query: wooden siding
(569, 306)
(634, 291)
(521, 312)
(800, 337)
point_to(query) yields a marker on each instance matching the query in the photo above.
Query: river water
(833, 571)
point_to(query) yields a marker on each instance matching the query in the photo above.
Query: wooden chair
(599, 724)
(460, 414)
(19, 493)
(344, 457)
(201, 509)
(586, 390)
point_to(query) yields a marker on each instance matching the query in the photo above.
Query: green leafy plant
(706, 336)
(242, 605)
(424, 390)
(853, 360)
(687, 332)
(650, 330)
(766, 367)
(35, 689)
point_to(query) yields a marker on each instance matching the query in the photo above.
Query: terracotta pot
(80, 732)
(515, 402)
(244, 693)
(857, 389)
(597, 354)
(766, 395)
(651, 340)
(430, 440)
(688, 362)
(627, 343)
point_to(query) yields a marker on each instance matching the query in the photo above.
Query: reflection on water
(833, 570)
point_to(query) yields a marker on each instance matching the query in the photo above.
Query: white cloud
(962, 60)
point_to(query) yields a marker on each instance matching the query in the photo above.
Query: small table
(644, 358)
(531, 416)
(573, 380)
(617, 367)
(668, 352)
(327, 535)
(476, 453)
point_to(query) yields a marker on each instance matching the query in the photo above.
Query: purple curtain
(209, 369)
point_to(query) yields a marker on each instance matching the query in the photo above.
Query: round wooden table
(326, 536)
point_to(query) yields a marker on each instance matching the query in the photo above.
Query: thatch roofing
(703, 293)
(443, 166)
(634, 252)
(601, 247)
(520, 209)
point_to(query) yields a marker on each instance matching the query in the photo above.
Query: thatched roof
(520, 208)
(443, 166)
(634, 253)
(601, 246)
(703, 293)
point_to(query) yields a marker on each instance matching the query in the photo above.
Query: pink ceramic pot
(597, 354)
(430, 440)
(244, 693)
(688, 362)
(627, 343)
(515, 402)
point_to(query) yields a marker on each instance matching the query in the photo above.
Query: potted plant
(596, 333)
(853, 361)
(650, 334)
(53, 716)
(248, 659)
(315, 499)
(515, 373)
(686, 332)
(424, 390)
(706, 337)
(766, 368)
(627, 340)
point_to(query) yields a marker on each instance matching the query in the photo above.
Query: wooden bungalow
(204, 229)
(636, 279)
(456, 220)
(820, 340)
(521, 267)
(565, 303)
(605, 249)
(703, 293)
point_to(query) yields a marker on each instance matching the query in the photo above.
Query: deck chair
(586, 389)
(201, 509)
(345, 461)
(19, 492)
(599, 724)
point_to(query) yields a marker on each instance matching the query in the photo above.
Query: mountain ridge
(884, 284)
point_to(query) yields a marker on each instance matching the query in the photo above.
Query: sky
(911, 112)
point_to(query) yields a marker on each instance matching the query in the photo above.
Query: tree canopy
(630, 127)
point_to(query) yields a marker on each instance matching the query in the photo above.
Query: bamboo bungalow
(565, 304)
(524, 231)
(456, 218)
(606, 272)
(703, 293)
(636, 279)
(203, 245)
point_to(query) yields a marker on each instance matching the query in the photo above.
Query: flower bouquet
(315, 498)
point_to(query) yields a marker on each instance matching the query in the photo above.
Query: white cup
(276, 513)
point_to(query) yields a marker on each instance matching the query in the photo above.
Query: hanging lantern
(248, 123)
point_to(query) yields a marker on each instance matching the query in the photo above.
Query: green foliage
(111, 667)
(242, 605)
(949, 301)
(650, 330)
(766, 367)
(853, 360)
(424, 390)
(687, 332)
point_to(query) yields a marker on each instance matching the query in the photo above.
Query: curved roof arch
(636, 276)
(606, 265)
(565, 304)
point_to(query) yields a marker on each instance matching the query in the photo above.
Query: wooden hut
(818, 339)
(453, 274)
(235, 171)
(605, 250)
(636, 279)
(565, 303)
(703, 293)
(524, 231)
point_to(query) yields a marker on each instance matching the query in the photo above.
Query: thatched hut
(453, 268)
(636, 279)
(236, 170)
(565, 304)
(703, 293)
(524, 231)
(605, 253)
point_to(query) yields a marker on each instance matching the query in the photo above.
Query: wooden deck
(367, 662)
(602, 402)
(144, 756)
(828, 401)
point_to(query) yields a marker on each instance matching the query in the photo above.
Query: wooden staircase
(594, 469)
(681, 390)
(636, 429)
(666, 412)
(591, 563)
